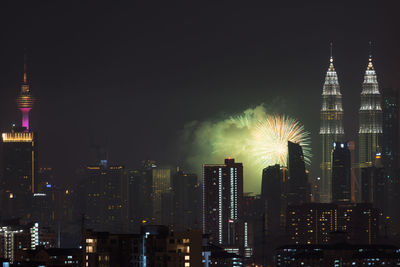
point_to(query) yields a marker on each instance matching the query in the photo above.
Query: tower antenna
(370, 51)
(25, 66)
(331, 52)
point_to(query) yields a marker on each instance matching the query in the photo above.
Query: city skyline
(212, 135)
(97, 84)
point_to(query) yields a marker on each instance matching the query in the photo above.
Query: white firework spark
(270, 140)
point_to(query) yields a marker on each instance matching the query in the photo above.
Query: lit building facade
(313, 223)
(15, 238)
(154, 246)
(341, 173)
(20, 163)
(331, 128)
(370, 113)
(338, 254)
(162, 195)
(222, 203)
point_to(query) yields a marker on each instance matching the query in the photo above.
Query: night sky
(130, 76)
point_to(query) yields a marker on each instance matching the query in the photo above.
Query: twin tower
(332, 130)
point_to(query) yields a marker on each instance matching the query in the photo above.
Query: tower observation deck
(25, 99)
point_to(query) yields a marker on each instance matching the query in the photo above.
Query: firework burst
(255, 137)
(270, 139)
(262, 141)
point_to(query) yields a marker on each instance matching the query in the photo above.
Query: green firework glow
(255, 138)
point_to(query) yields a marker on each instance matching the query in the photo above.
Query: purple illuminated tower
(25, 100)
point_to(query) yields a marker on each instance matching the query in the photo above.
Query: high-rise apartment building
(222, 203)
(313, 223)
(341, 173)
(331, 128)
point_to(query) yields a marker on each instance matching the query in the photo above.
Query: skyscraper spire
(331, 129)
(331, 67)
(370, 117)
(25, 99)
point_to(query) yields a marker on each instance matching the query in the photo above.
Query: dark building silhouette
(390, 153)
(253, 226)
(106, 198)
(45, 179)
(20, 169)
(273, 195)
(341, 173)
(222, 203)
(66, 257)
(186, 201)
(390, 127)
(140, 195)
(298, 189)
(374, 186)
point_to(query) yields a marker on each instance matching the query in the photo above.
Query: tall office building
(106, 198)
(222, 203)
(20, 161)
(341, 173)
(374, 186)
(162, 195)
(370, 130)
(390, 152)
(186, 201)
(298, 188)
(273, 195)
(331, 129)
(140, 195)
(390, 129)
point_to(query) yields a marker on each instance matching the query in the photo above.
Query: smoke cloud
(211, 141)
